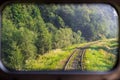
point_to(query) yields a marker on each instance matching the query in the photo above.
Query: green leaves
(100, 58)
(43, 41)
(30, 30)
(16, 58)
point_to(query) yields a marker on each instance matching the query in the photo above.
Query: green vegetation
(32, 32)
(98, 57)
(54, 60)
(69, 66)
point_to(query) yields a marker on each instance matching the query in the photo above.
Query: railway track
(75, 61)
(81, 55)
(69, 59)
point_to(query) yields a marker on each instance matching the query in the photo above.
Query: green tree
(52, 30)
(11, 53)
(63, 37)
(16, 58)
(43, 41)
(76, 37)
(26, 41)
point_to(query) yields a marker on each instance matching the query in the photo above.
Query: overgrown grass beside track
(98, 57)
(101, 56)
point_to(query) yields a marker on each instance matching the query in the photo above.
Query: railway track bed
(75, 61)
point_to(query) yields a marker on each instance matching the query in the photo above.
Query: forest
(40, 36)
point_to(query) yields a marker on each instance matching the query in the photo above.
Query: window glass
(48, 37)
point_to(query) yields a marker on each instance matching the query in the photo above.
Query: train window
(59, 37)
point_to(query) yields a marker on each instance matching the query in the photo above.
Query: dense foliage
(101, 56)
(29, 30)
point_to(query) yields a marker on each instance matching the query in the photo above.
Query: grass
(69, 65)
(54, 60)
(99, 57)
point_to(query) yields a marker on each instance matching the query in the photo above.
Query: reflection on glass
(81, 37)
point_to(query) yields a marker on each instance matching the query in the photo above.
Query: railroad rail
(69, 59)
(77, 63)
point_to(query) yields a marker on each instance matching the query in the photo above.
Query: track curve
(75, 63)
